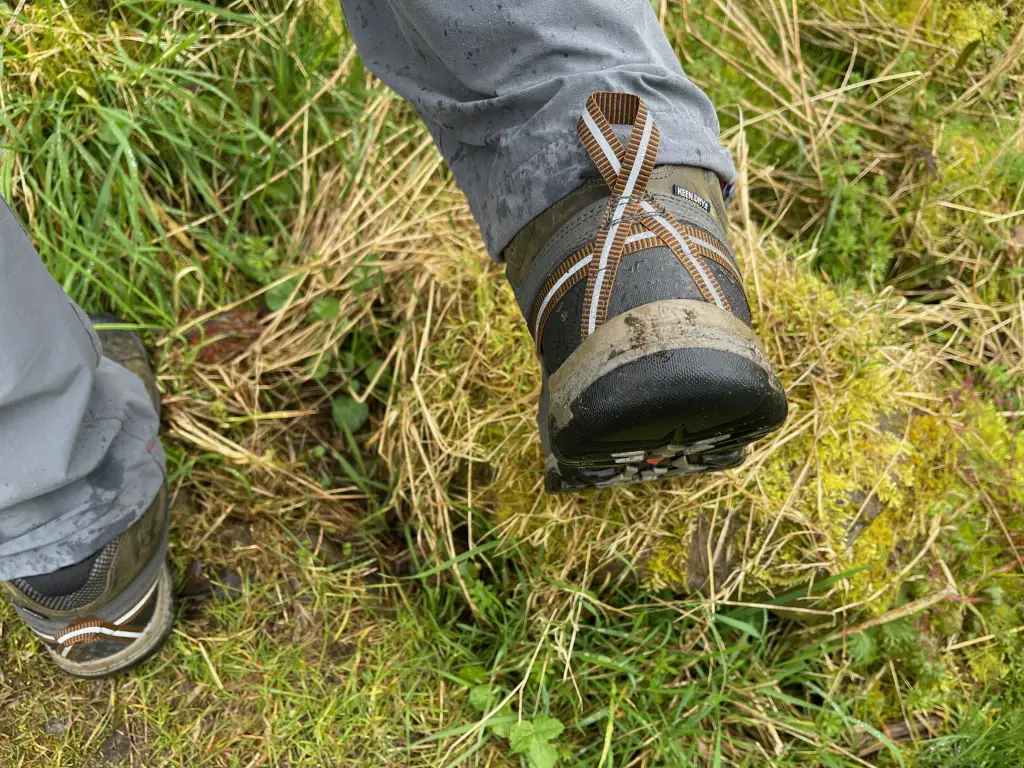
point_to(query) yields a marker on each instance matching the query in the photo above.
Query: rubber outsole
(683, 397)
(564, 478)
(668, 389)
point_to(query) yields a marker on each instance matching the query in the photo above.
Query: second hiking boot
(113, 610)
(636, 304)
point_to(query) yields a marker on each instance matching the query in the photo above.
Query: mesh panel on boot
(88, 593)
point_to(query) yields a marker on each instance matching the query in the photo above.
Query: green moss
(868, 443)
(977, 170)
(953, 21)
(51, 47)
(879, 212)
(868, 438)
(971, 150)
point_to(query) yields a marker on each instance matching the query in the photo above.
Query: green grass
(175, 161)
(179, 156)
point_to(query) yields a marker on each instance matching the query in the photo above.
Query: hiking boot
(636, 304)
(114, 609)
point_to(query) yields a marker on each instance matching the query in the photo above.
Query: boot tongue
(698, 186)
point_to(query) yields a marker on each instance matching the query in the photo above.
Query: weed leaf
(522, 737)
(482, 698)
(547, 728)
(542, 755)
(348, 414)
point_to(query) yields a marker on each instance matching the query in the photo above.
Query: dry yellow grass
(906, 403)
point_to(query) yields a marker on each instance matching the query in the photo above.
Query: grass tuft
(349, 397)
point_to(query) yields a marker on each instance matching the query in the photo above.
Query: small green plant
(531, 739)
(348, 413)
(855, 245)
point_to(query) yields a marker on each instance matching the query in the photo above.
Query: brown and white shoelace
(633, 221)
(92, 629)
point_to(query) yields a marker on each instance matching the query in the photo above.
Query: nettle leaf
(483, 698)
(327, 308)
(547, 728)
(278, 296)
(521, 738)
(542, 755)
(503, 728)
(348, 414)
(533, 737)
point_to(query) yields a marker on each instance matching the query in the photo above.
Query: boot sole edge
(155, 635)
(651, 359)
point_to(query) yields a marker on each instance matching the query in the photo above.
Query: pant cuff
(85, 529)
(563, 166)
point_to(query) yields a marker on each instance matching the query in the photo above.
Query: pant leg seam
(123, 431)
(89, 332)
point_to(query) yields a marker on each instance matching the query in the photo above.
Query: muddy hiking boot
(636, 304)
(114, 609)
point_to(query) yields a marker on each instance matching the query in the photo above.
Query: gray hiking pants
(500, 84)
(79, 456)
